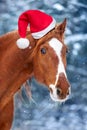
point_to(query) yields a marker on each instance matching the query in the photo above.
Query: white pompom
(22, 43)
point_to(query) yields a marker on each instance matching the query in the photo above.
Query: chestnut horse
(45, 59)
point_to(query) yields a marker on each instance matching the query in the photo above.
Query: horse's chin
(58, 99)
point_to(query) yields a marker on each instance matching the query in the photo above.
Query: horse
(45, 59)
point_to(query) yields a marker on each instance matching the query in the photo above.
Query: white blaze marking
(57, 47)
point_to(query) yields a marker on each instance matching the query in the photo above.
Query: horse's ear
(60, 29)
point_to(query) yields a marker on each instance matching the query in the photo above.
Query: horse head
(49, 63)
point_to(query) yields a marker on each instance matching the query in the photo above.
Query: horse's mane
(10, 38)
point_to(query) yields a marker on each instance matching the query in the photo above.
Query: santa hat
(40, 24)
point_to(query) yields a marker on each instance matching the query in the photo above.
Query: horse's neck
(15, 67)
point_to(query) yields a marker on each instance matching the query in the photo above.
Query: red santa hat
(40, 24)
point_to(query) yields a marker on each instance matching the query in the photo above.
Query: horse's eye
(43, 50)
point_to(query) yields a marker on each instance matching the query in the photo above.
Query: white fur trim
(40, 34)
(22, 43)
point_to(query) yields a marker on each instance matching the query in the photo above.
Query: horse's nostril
(59, 91)
(68, 92)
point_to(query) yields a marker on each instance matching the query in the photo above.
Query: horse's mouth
(58, 99)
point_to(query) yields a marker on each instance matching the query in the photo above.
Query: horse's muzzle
(62, 90)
